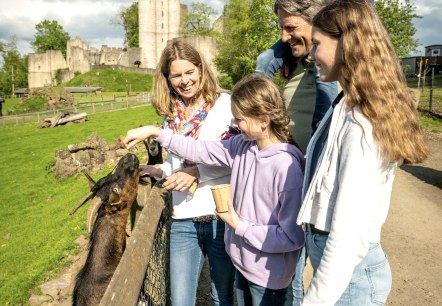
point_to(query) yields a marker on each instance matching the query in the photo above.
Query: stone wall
(159, 21)
(42, 68)
(77, 56)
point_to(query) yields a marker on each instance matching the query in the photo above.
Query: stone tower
(159, 21)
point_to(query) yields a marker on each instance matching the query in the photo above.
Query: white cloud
(90, 20)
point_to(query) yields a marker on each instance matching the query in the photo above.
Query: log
(124, 287)
(61, 119)
(70, 118)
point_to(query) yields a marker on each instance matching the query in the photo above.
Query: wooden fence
(117, 103)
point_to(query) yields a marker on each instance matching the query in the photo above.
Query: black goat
(112, 196)
(154, 153)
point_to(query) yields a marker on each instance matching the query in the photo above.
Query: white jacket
(349, 196)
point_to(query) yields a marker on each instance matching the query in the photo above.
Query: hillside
(113, 80)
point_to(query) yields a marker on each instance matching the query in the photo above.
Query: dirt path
(411, 237)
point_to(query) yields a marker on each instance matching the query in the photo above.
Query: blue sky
(91, 20)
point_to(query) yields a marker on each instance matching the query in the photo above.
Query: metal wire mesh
(155, 288)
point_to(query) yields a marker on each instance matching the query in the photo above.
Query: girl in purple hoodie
(262, 237)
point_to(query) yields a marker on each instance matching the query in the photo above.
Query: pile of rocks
(90, 156)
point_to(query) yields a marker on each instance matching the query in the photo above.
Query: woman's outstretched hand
(139, 134)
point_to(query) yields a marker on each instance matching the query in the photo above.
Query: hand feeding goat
(155, 156)
(112, 196)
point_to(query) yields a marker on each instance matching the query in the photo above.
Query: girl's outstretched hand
(230, 217)
(139, 134)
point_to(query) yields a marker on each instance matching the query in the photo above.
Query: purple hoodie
(266, 187)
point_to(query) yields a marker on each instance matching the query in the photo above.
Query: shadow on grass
(428, 175)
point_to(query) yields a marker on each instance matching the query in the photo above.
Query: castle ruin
(159, 22)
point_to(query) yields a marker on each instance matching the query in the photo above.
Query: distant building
(433, 50)
(432, 59)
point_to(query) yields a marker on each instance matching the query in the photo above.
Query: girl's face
(327, 55)
(185, 79)
(251, 128)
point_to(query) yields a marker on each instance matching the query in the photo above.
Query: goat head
(116, 191)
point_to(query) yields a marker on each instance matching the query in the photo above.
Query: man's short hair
(306, 9)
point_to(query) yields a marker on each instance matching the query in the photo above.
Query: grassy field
(36, 231)
(114, 80)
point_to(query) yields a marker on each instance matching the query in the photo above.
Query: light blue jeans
(371, 280)
(251, 294)
(295, 292)
(190, 242)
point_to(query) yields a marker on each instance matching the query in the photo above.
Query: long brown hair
(255, 96)
(164, 96)
(372, 79)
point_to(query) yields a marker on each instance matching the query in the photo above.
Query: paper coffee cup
(221, 193)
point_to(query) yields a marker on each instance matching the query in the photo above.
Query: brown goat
(113, 196)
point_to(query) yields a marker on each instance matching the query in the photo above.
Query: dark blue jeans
(190, 242)
(250, 294)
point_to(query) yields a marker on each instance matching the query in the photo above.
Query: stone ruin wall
(77, 55)
(43, 66)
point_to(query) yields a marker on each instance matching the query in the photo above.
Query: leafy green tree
(397, 17)
(249, 28)
(14, 69)
(128, 19)
(50, 36)
(198, 20)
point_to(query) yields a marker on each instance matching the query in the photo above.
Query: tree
(198, 20)
(50, 36)
(14, 69)
(249, 28)
(128, 19)
(397, 17)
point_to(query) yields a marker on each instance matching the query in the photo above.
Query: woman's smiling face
(185, 79)
(327, 55)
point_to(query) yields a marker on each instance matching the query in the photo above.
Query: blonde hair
(255, 96)
(164, 96)
(372, 79)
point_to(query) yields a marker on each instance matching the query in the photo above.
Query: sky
(91, 20)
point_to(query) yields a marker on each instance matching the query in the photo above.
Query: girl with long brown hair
(352, 159)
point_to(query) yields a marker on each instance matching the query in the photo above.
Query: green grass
(113, 80)
(36, 231)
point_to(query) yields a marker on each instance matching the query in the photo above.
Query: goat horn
(82, 201)
(92, 211)
(90, 180)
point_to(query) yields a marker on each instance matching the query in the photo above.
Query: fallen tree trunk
(61, 119)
